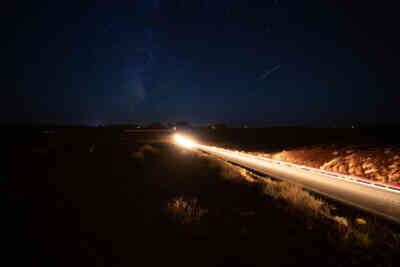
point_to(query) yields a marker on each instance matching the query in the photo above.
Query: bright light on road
(379, 198)
(183, 141)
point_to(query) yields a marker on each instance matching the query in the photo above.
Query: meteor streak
(269, 72)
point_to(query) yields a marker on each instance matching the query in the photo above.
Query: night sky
(257, 62)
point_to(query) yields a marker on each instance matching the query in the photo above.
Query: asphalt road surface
(383, 201)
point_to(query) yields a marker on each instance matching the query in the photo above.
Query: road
(377, 198)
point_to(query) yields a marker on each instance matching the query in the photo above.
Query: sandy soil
(376, 163)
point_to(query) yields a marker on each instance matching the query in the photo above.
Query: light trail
(379, 198)
(184, 141)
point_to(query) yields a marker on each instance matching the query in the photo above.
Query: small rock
(370, 171)
(342, 169)
(394, 176)
(380, 178)
(366, 165)
(358, 171)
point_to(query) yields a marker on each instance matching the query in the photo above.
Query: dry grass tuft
(185, 211)
(299, 199)
(245, 174)
(359, 233)
(342, 222)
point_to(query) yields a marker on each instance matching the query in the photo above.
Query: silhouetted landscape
(200, 133)
(102, 197)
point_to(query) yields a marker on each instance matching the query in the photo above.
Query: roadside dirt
(376, 163)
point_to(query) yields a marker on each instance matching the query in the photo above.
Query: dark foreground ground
(107, 198)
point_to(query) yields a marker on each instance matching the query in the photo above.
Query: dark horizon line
(332, 124)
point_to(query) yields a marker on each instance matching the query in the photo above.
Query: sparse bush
(185, 211)
(341, 221)
(246, 175)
